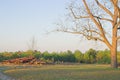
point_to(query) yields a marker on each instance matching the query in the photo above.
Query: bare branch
(93, 31)
(77, 17)
(96, 38)
(97, 24)
(89, 37)
(92, 17)
(116, 13)
(104, 8)
(103, 19)
(114, 3)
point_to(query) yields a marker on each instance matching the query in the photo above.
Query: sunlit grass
(65, 72)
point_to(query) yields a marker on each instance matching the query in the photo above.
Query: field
(63, 72)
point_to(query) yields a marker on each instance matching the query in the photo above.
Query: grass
(64, 72)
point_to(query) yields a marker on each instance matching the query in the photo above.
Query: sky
(21, 20)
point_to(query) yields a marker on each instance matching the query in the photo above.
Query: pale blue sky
(20, 20)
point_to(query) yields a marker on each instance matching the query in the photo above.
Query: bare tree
(95, 19)
(32, 44)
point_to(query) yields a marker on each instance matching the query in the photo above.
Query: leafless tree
(32, 44)
(96, 20)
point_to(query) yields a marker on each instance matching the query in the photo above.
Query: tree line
(89, 57)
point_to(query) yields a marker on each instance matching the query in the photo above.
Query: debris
(24, 60)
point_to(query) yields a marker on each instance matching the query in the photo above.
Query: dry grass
(64, 72)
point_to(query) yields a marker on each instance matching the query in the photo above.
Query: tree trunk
(114, 49)
(114, 58)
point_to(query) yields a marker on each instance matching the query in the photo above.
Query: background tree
(46, 55)
(32, 44)
(96, 20)
(70, 56)
(78, 56)
(103, 57)
(118, 57)
(90, 56)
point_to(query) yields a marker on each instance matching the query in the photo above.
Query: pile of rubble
(24, 60)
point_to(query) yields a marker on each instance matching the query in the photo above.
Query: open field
(63, 72)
